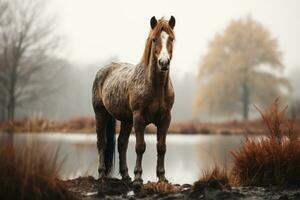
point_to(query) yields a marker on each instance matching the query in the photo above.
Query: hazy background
(97, 32)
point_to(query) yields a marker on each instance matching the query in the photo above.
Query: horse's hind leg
(101, 123)
(122, 148)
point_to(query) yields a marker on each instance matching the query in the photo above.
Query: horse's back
(110, 71)
(110, 88)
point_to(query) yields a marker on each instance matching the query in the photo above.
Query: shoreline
(132, 133)
(88, 188)
(87, 125)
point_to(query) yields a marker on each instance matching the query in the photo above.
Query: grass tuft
(217, 173)
(160, 188)
(270, 160)
(216, 178)
(28, 173)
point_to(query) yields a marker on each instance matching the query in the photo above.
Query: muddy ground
(88, 188)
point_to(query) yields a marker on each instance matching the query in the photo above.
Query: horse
(136, 95)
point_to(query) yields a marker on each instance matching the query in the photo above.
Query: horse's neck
(157, 79)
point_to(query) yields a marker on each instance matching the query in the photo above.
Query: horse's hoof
(137, 185)
(127, 179)
(102, 178)
(163, 180)
(101, 174)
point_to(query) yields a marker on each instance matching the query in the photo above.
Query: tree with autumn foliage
(243, 66)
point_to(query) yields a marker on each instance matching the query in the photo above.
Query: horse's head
(161, 39)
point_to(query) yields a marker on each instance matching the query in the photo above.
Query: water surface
(187, 155)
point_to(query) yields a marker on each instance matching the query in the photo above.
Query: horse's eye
(153, 40)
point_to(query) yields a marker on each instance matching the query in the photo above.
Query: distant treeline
(71, 93)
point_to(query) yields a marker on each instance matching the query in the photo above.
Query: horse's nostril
(168, 62)
(160, 62)
(164, 62)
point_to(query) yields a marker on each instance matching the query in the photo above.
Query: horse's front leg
(140, 147)
(162, 129)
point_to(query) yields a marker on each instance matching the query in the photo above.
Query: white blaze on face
(164, 54)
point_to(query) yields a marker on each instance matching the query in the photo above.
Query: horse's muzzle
(164, 68)
(164, 64)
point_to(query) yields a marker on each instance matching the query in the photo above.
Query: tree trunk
(2, 113)
(245, 100)
(11, 109)
(12, 99)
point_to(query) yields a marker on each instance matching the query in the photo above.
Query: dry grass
(272, 160)
(87, 125)
(29, 173)
(38, 124)
(160, 188)
(81, 124)
(216, 173)
(216, 178)
(34, 124)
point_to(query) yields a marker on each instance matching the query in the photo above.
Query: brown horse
(136, 96)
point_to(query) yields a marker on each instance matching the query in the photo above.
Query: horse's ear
(172, 22)
(153, 22)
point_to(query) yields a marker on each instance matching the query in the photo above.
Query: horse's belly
(120, 111)
(117, 105)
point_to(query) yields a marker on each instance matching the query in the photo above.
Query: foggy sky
(95, 30)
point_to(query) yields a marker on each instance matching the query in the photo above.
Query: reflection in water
(186, 157)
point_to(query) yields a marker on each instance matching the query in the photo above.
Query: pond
(186, 158)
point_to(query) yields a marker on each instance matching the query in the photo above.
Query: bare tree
(3, 9)
(27, 43)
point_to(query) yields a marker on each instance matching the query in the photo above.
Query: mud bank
(88, 188)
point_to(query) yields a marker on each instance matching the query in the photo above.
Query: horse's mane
(162, 25)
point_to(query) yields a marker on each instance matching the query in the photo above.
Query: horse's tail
(110, 145)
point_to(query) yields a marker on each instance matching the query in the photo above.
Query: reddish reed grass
(271, 160)
(216, 173)
(39, 124)
(29, 173)
(78, 123)
(87, 125)
(216, 178)
(160, 188)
